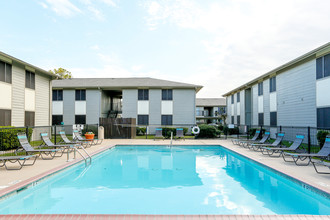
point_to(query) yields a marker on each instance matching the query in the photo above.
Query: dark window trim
(56, 95)
(273, 118)
(260, 88)
(167, 120)
(143, 94)
(238, 98)
(139, 119)
(167, 94)
(58, 122)
(261, 119)
(76, 120)
(80, 94)
(29, 119)
(232, 99)
(30, 80)
(272, 84)
(5, 117)
(7, 72)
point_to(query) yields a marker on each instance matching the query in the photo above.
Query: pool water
(163, 180)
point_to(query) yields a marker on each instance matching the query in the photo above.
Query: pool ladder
(85, 157)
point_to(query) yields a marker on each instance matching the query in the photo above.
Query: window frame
(56, 94)
(167, 94)
(30, 80)
(272, 84)
(77, 119)
(139, 119)
(238, 120)
(261, 119)
(238, 97)
(61, 119)
(167, 120)
(260, 88)
(7, 72)
(273, 119)
(80, 96)
(5, 117)
(232, 99)
(323, 67)
(143, 94)
(29, 119)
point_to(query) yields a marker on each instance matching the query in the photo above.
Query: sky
(219, 44)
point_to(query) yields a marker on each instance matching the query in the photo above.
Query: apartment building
(25, 93)
(210, 110)
(294, 94)
(151, 101)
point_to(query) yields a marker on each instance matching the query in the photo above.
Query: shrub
(90, 128)
(230, 131)
(221, 127)
(167, 132)
(141, 130)
(8, 137)
(207, 131)
(321, 135)
(185, 131)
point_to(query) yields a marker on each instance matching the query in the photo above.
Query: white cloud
(110, 3)
(44, 5)
(97, 14)
(95, 47)
(63, 7)
(136, 68)
(245, 38)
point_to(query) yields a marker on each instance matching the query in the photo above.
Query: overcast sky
(219, 44)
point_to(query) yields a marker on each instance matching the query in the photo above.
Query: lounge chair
(322, 154)
(66, 140)
(159, 133)
(48, 153)
(263, 140)
(241, 141)
(317, 163)
(179, 133)
(48, 143)
(20, 159)
(78, 137)
(278, 151)
(276, 143)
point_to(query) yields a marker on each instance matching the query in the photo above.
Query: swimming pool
(163, 180)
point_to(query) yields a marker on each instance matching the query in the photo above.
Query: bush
(8, 137)
(230, 131)
(221, 127)
(141, 131)
(321, 135)
(90, 128)
(207, 131)
(167, 132)
(185, 131)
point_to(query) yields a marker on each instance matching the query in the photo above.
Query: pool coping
(25, 184)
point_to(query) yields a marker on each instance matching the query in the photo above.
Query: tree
(61, 73)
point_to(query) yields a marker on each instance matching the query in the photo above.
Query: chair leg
(318, 170)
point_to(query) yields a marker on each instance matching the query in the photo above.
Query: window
(167, 119)
(57, 119)
(80, 119)
(143, 94)
(5, 117)
(272, 84)
(238, 97)
(57, 95)
(29, 118)
(261, 119)
(80, 95)
(232, 99)
(260, 89)
(323, 67)
(5, 72)
(238, 119)
(273, 119)
(30, 80)
(323, 117)
(143, 119)
(167, 94)
(232, 119)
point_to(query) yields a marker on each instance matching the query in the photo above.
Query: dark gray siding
(296, 96)
(93, 103)
(130, 103)
(184, 106)
(68, 107)
(266, 103)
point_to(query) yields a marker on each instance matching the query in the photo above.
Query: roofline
(7, 58)
(318, 52)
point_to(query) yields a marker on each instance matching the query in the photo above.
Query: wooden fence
(124, 128)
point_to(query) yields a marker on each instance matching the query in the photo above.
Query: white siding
(184, 106)
(260, 104)
(5, 88)
(30, 100)
(167, 108)
(255, 104)
(322, 92)
(57, 108)
(42, 101)
(130, 97)
(272, 102)
(143, 107)
(80, 108)
(18, 93)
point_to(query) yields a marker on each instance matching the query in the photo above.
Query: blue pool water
(162, 180)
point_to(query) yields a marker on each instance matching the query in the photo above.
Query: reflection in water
(161, 180)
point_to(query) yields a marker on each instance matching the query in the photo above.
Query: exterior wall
(18, 96)
(42, 101)
(266, 103)
(93, 104)
(155, 98)
(228, 100)
(184, 102)
(296, 96)
(130, 97)
(69, 107)
(105, 104)
(242, 106)
(255, 104)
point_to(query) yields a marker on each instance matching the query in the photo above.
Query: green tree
(62, 73)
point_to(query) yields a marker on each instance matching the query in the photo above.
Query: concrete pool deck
(12, 180)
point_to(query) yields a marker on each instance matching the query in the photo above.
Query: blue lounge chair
(278, 151)
(241, 141)
(159, 133)
(276, 143)
(179, 133)
(322, 155)
(263, 140)
(19, 159)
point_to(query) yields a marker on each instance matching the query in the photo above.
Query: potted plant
(89, 135)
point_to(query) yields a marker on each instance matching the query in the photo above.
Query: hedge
(8, 137)
(321, 135)
(141, 130)
(230, 131)
(167, 132)
(207, 131)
